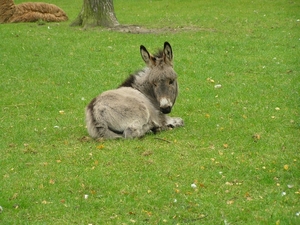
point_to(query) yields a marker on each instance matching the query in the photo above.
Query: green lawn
(236, 161)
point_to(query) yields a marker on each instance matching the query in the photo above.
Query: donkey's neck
(136, 79)
(139, 81)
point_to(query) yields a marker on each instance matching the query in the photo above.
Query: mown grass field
(236, 161)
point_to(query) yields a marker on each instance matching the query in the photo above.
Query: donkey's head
(162, 77)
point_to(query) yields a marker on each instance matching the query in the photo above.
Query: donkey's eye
(171, 82)
(154, 84)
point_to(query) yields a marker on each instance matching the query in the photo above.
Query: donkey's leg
(97, 124)
(99, 129)
(174, 122)
(112, 135)
(137, 129)
(104, 125)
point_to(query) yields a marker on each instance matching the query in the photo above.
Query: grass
(240, 145)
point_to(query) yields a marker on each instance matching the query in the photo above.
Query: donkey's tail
(91, 122)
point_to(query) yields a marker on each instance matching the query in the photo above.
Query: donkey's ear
(145, 54)
(147, 57)
(168, 54)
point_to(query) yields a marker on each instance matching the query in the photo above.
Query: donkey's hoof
(176, 122)
(180, 122)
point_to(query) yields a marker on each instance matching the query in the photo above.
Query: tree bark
(96, 13)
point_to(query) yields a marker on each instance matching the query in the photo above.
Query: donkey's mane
(159, 54)
(129, 81)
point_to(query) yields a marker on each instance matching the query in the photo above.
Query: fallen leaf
(147, 212)
(45, 202)
(51, 181)
(256, 137)
(225, 145)
(230, 202)
(210, 80)
(202, 185)
(15, 195)
(147, 153)
(248, 197)
(100, 146)
(84, 139)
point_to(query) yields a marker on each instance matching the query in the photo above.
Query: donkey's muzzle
(165, 106)
(166, 110)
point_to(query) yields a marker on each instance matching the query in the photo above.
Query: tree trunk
(96, 13)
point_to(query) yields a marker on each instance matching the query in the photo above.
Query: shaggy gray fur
(140, 104)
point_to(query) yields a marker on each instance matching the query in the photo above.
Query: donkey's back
(140, 104)
(124, 112)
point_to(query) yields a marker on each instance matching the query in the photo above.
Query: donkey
(140, 104)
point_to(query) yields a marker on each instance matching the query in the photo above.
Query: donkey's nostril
(165, 110)
(165, 105)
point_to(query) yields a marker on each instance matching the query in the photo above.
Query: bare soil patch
(136, 29)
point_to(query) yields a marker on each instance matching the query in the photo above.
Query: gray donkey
(141, 102)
